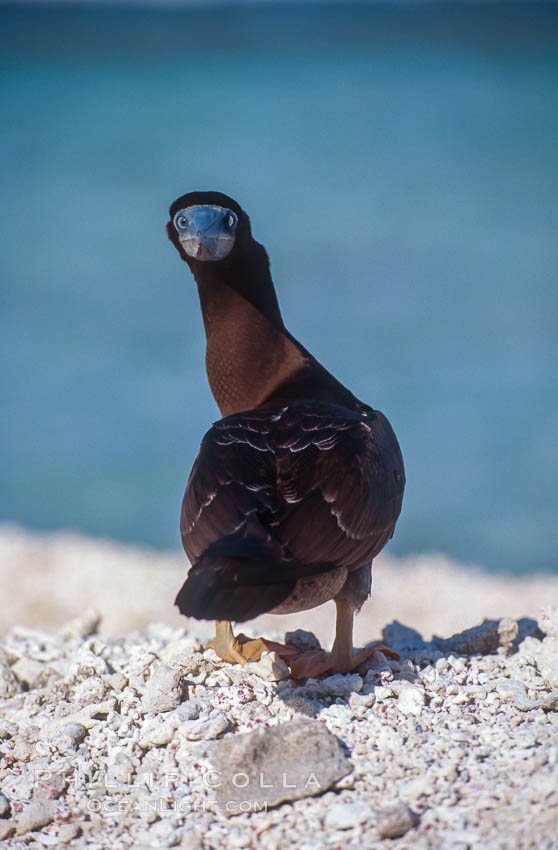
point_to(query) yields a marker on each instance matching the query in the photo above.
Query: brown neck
(249, 354)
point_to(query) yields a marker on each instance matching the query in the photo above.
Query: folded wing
(320, 483)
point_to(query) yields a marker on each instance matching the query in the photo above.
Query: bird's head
(206, 226)
(212, 233)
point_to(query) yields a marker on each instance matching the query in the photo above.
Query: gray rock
(9, 685)
(183, 652)
(205, 729)
(67, 738)
(400, 637)
(23, 750)
(547, 661)
(361, 702)
(86, 623)
(32, 673)
(523, 703)
(158, 731)
(165, 689)
(121, 773)
(87, 716)
(92, 689)
(482, 639)
(383, 692)
(510, 690)
(34, 816)
(396, 821)
(67, 832)
(4, 806)
(7, 828)
(189, 710)
(270, 668)
(7, 729)
(548, 703)
(302, 639)
(548, 621)
(508, 630)
(411, 700)
(157, 734)
(340, 685)
(48, 786)
(528, 628)
(269, 766)
(347, 815)
(190, 839)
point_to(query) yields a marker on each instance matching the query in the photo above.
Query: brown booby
(299, 486)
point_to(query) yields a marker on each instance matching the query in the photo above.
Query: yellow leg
(225, 644)
(342, 659)
(342, 655)
(239, 650)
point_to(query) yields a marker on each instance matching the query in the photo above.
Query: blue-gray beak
(206, 232)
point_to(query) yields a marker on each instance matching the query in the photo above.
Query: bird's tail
(240, 577)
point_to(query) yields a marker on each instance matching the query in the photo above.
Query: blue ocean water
(400, 166)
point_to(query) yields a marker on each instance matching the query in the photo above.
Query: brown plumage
(299, 486)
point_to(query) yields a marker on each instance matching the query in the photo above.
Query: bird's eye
(230, 221)
(180, 221)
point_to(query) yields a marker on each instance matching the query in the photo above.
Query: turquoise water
(400, 166)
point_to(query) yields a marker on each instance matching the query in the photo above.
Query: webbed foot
(241, 649)
(317, 664)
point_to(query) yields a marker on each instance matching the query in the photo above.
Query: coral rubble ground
(147, 740)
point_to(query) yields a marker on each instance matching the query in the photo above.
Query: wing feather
(324, 482)
(232, 480)
(345, 467)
